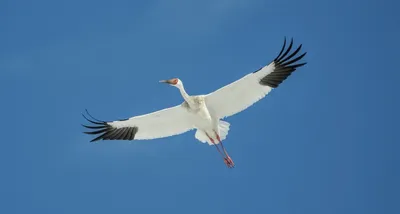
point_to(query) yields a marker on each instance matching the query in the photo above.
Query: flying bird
(203, 112)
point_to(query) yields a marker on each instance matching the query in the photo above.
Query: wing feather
(243, 93)
(159, 124)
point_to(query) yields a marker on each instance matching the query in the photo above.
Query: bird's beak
(165, 81)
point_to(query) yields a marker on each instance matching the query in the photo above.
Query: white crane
(203, 112)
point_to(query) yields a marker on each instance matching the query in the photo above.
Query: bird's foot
(229, 162)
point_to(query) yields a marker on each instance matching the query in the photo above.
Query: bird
(204, 113)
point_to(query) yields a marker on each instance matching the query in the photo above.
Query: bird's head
(173, 82)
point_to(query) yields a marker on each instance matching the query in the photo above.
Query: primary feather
(241, 94)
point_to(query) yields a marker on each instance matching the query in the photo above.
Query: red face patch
(174, 81)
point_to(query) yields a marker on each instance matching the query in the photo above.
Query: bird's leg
(212, 141)
(228, 158)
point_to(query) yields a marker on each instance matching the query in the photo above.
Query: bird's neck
(185, 95)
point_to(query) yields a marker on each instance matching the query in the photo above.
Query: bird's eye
(175, 81)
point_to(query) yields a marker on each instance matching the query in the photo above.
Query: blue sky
(326, 141)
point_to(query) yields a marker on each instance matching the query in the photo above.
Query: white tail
(223, 132)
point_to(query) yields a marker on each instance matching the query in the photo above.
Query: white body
(206, 123)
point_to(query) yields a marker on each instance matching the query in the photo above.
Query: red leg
(212, 141)
(228, 158)
(222, 145)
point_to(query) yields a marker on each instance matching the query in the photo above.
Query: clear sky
(326, 141)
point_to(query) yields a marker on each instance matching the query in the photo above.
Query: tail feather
(223, 129)
(223, 132)
(202, 137)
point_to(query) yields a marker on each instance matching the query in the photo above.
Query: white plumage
(163, 123)
(203, 112)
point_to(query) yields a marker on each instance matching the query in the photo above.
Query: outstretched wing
(243, 93)
(159, 124)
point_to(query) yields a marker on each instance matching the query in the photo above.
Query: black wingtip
(284, 65)
(94, 122)
(286, 52)
(93, 127)
(107, 132)
(285, 59)
(94, 140)
(283, 48)
(87, 112)
(99, 127)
